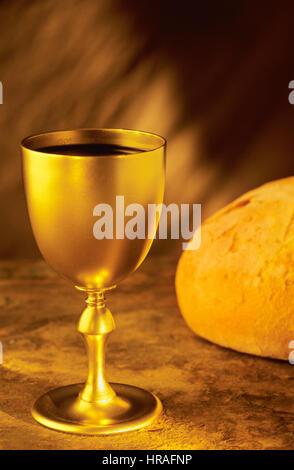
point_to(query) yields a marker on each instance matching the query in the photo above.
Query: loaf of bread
(237, 289)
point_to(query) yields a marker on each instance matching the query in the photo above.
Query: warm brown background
(212, 77)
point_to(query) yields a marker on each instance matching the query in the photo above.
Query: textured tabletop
(213, 398)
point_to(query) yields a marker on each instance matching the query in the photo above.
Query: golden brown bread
(237, 289)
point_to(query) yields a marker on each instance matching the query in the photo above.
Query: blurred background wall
(210, 76)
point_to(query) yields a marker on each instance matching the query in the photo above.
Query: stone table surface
(213, 398)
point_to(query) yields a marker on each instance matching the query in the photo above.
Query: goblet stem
(96, 323)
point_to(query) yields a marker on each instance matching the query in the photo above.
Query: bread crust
(237, 289)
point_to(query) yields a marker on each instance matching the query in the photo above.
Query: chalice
(72, 180)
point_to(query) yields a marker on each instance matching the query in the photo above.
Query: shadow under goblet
(66, 175)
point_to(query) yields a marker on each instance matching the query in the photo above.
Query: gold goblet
(66, 175)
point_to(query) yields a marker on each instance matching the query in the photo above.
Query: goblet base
(63, 410)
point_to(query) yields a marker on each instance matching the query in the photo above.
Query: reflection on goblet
(66, 175)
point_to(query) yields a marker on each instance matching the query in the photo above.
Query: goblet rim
(25, 143)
